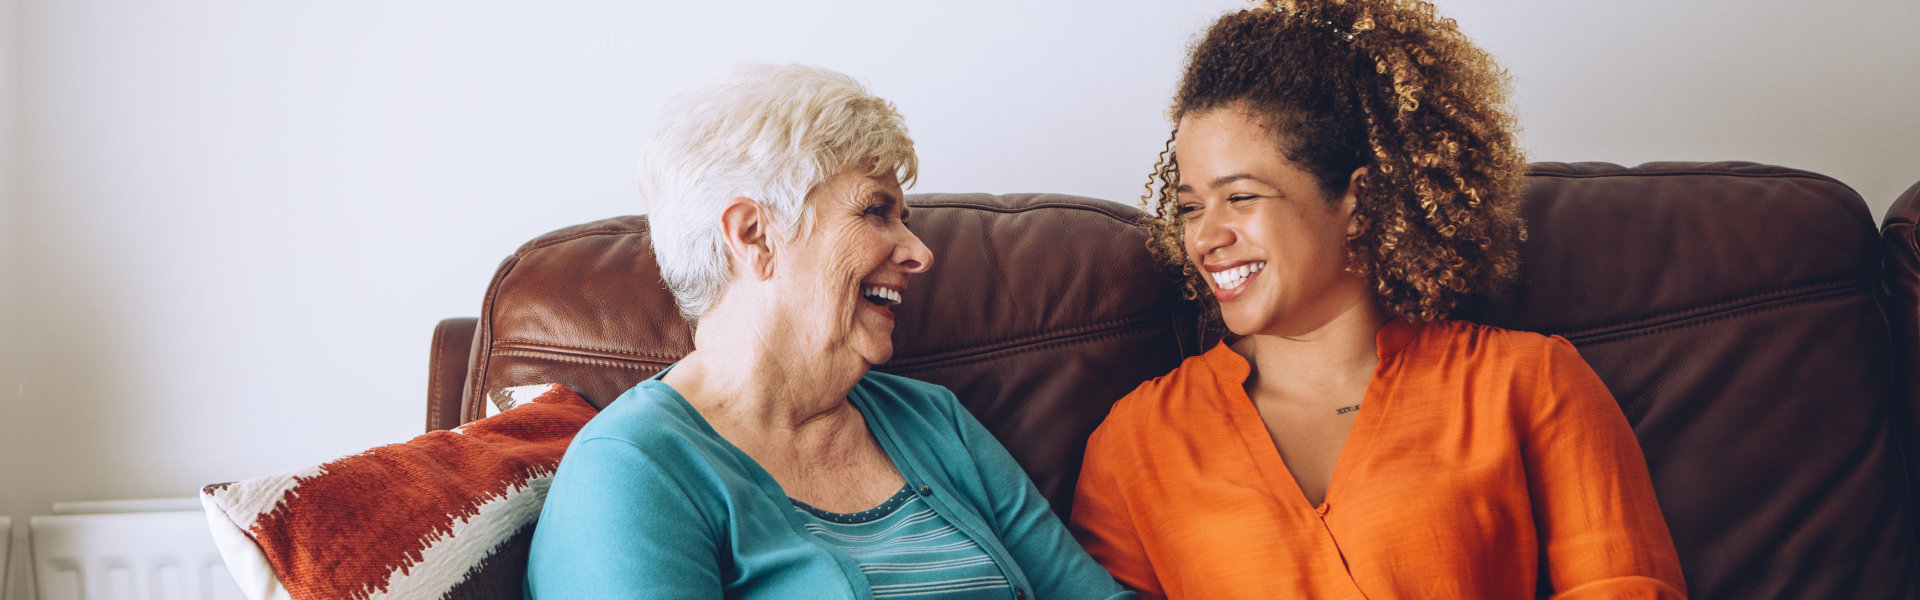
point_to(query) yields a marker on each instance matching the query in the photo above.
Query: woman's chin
(875, 349)
(1239, 322)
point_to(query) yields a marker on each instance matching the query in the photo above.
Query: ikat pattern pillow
(449, 514)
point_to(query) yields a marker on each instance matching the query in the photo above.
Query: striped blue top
(907, 550)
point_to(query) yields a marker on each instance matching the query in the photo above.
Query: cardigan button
(925, 491)
(1019, 594)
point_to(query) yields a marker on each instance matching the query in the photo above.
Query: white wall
(12, 422)
(238, 221)
(1824, 86)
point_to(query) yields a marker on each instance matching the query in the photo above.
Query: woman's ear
(1350, 202)
(744, 225)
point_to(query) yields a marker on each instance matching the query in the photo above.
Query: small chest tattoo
(1346, 409)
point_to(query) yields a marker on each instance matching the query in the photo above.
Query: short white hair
(767, 132)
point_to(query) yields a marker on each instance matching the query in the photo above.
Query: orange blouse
(1478, 453)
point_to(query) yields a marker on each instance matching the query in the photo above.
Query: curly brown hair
(1388, 85)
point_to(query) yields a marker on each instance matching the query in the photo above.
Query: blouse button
(925, 491)
(1322, 509)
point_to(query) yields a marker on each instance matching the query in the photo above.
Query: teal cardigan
(650, 502)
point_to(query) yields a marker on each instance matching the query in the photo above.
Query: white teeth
(1231, 278)
(889, 295)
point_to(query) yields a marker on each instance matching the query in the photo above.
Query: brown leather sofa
(1756, 331)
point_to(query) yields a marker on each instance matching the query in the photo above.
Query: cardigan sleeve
(1593, 499)
(617, 525)
(1054, 564)
(1102, 524)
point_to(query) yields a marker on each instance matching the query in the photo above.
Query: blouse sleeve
(1102, 524)
(617, 525)
(1593, 500)
(1054, 564)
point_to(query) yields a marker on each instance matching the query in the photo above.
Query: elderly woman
(1341, 175)
(770, 462)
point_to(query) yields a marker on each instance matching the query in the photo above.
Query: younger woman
(1342, 174)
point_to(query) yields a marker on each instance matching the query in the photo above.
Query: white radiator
(6, 554)
(107, 555)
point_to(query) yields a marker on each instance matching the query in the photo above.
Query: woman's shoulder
(650, 433)
(1490, 343)
(1523, 360)
(648, 415)
(1489, 333)
(1198, 379)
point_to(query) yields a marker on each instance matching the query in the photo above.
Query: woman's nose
(912, 254)
(1204, 236)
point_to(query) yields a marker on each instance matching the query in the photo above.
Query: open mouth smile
(1227, 279)
(880, 296)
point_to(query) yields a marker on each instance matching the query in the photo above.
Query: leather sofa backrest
(1733, 309)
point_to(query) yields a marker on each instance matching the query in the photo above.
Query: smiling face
(1269, 240)
(838, 278)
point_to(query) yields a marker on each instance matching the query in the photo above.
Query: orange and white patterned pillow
(448, 514)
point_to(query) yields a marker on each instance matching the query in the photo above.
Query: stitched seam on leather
(1057, 334)
(528, 348)
(575, 359)
(1016, 351)
(1686, 173)
(539, 346)
(1691, 172)
(1761, 307)
(1812, 289)
(1009, 210)
(433, 372)
(475, 391)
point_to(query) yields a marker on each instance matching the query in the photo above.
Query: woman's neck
(1330, 354)
(747, 371)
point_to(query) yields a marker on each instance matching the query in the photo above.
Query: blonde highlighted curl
(1383, 84)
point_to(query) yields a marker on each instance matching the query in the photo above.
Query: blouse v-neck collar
(1231, 371)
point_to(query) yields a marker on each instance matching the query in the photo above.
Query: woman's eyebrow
(1219, 181)
(888, 198)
